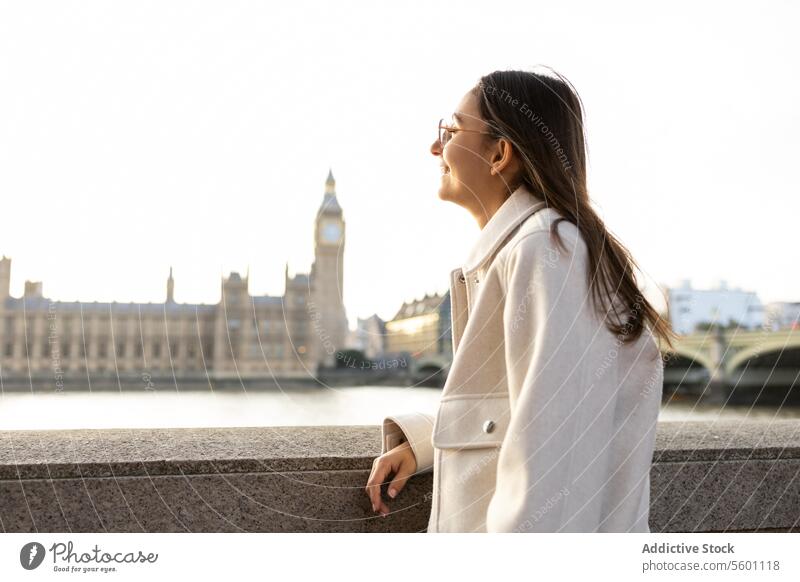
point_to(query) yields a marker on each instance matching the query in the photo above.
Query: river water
(290, 407)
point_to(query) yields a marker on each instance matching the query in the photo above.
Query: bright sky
(135, 135)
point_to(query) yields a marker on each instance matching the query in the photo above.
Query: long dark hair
(542, 116)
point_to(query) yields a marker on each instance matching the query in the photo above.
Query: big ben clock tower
(328, 317)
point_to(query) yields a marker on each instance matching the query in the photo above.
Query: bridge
(735, 362)
(431, 370)
(716, 364)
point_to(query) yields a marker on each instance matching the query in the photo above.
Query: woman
(547, 420)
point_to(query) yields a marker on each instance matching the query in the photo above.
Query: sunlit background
(141, 136)
(135, 136)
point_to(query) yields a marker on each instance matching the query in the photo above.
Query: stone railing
(706, 477)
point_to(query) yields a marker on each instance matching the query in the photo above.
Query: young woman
(547, 419)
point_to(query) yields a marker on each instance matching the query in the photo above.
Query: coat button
(488, 426)
(461, 278)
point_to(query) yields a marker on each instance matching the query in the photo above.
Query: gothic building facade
(242, 336)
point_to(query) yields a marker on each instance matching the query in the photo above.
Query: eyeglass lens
(444, 134)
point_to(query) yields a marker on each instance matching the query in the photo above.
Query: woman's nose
(436, 148)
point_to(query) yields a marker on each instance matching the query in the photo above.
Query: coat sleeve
(547, 332)
(416, 428)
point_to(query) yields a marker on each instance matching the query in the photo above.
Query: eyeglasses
(446, 132)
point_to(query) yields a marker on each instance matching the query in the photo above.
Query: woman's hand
(401, 461)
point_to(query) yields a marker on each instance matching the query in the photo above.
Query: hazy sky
(139, 135)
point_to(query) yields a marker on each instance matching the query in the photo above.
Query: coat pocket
(471, 421)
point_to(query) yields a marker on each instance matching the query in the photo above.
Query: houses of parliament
(241, 336)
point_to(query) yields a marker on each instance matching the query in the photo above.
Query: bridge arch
(788, 350)
(697, 356)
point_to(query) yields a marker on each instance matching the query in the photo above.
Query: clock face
(331, 232)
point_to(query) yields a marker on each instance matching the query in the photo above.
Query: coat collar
(517, 207)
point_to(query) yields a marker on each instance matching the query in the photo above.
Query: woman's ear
(502, 157)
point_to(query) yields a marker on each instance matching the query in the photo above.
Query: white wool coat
(547, 420)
